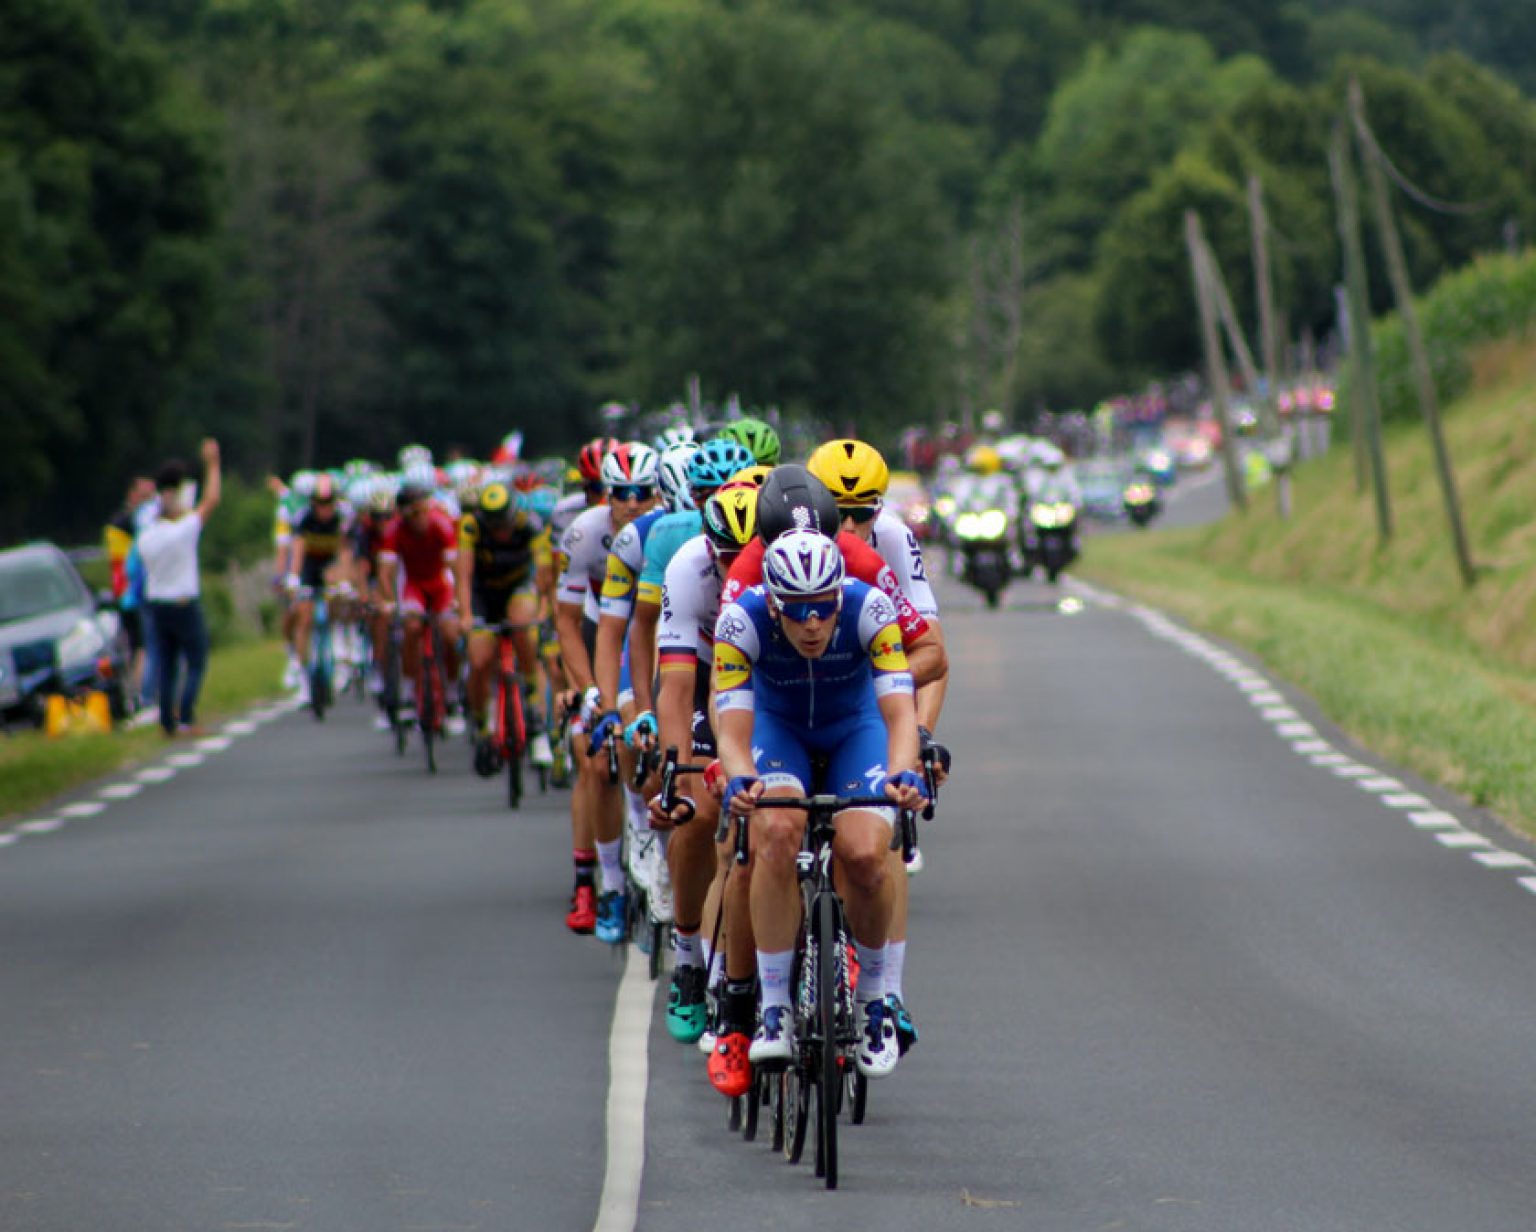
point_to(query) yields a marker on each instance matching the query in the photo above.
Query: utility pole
(1269, 337)
(1215, 360)
(1364, 408)
(1247, 367)
(1402, 289)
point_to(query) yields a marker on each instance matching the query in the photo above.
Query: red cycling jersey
(423, 556)
(861, 561)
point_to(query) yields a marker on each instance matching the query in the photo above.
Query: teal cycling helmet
(716, 461)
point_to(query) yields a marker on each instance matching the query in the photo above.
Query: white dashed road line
(162, 772)
(1273, 708)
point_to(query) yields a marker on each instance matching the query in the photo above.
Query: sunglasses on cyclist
(631, 492)
(859, 514)
(802, 610)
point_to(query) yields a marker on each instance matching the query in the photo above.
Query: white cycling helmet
(381, 500)
(672, 473)
(414, 455)
(633, 462)
(802, 563)
(677, 434)
(421, 475)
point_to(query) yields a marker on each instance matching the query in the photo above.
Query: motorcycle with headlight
(982, 537)
(1141, 502)
(1051, 543)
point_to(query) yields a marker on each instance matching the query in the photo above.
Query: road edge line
(628, 1077)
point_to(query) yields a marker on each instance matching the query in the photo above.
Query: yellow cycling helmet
(730, 517)
(753, 475)
(984, 460)
(495, 500)
(855, 472)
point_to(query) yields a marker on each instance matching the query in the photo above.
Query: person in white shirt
(168, 548)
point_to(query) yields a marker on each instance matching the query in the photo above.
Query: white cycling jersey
(585, 546)
(898, 547)
(567, 510)
(690, 604)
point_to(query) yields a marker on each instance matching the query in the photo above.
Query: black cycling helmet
(792, 498)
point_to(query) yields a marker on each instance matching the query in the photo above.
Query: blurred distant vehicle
(1103, 483)
(54, 635)
(908, 499)
(1157, 464)
(1141, 502)
(1192, 450)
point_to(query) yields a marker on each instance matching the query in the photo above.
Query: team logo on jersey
(881, 610)
(886, 651)
(732, 627)
(731, 666)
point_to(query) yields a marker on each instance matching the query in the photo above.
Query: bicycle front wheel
(829, 1081)
(512, 745)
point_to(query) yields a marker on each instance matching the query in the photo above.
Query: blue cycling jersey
(758, 669)
(666, 538)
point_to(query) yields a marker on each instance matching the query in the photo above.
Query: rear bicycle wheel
(430, 700)
(754, 1097)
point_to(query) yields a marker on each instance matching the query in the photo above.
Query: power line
(1413, 191)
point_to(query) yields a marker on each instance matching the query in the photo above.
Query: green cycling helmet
(757, 436)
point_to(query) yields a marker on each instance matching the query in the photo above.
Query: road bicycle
(321, 668)
(509, 732)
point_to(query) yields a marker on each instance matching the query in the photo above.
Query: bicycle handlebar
(903, 836)
(670, 800)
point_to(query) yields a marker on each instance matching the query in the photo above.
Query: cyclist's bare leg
(775, 838)
(861, 850)
(303, 621)
(523, 611)
(482, 654)
(448, 623)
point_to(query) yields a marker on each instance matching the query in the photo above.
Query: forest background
(322, 228)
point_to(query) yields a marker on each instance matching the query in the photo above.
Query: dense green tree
(106, 175)
(785, 241)
(501, 148)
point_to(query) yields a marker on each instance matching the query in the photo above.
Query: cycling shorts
(703, 733)
(854, 749)
(433, 596)
(490, 604)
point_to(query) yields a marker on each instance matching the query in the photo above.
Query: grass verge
(1384, 636)
(34, 769)
(1399, 684)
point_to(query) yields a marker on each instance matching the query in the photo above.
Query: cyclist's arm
(927, 659)
(573, 651)
(733, 738)
(389, 564)
(931, 689)
(608, 658)
(296, 557)
(642, 654)
(900, 732)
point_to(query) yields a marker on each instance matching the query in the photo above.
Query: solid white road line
(628, 1075)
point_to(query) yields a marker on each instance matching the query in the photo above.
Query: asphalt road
(1172, 971)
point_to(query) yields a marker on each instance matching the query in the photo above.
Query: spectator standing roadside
(127, 590)
(172, 590)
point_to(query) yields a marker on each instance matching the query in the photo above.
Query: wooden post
(1402, 290)
(1250, 371)
(1215, 360)
(1364, 409)
(1269, 338)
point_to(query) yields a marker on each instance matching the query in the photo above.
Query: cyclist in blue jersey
(809, 666)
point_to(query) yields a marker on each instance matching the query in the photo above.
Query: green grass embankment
(34, 769)
(1392, 647)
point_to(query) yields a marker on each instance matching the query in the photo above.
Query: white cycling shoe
(878, 1049)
